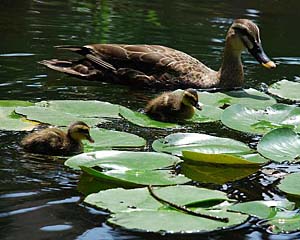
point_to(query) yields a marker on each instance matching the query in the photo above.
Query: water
(38, 197)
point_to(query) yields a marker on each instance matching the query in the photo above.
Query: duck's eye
(83, 130)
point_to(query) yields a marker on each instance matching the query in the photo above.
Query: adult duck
(163, 67)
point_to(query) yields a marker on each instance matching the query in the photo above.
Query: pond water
(38, 197)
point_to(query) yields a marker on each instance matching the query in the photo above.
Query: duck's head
(80, 131)
(190, 98)
(244, 33)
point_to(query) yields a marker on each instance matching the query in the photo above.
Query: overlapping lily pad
(286, 89)
(178, 142)
(129, 168)
(250, 120)
(291, 184)
(280, 145)
(105, 139)
(137, 213)
(247, 97)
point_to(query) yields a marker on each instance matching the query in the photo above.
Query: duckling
(173, 106)
(157, 66)
(54, 141)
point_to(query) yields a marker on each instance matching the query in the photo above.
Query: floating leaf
(281, 144)
(207, 114)
(15, 103)
(138, 212)
(53, 117)
(177, 142)
(225, 159)
(112, 139)
(247, 97)
(83, 108)
(12, 122)
(143, 120)
(139, 168)
(218, 174)
(246, 119)
(291, 184)
(286, 89)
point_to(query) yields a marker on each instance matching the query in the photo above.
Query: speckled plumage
(159, 66)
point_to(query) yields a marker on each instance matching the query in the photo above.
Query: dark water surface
(38, 197)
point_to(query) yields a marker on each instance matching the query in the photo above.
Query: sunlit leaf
(247, 97)
(177, 142)
(286, 89)
(291, 184)
(281, 144)
(250, 120)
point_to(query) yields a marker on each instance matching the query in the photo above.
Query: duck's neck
(231, 72)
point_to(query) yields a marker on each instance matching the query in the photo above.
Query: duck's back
(50, 141)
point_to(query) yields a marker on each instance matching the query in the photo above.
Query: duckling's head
(80, 131)
(190, 98)
(244, 33)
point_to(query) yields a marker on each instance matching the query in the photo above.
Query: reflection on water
(38, 197)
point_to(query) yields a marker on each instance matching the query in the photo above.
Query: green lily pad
(105, 139)
(137, 213)
(291, 184)
(286, 89)
(207, 114)
(10, 121)
(225, 159)
(83, 108)
(143, 120)
(284, 222)
(178, 142)
(53, 117)
(129, 168)
(262, 209)
(279, 145)
(247, 97)
(250, 120)
(15, 103)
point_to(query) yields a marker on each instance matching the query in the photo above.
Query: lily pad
(129, 168)
(12, 122)
(83, 108)
(225, 159)
(53, 117)
(247, 97)
(137, 213)
(207, 114)
(178, 142)
(286, 89)
(15, 103)
(291, 184)
(279, 145)
(143, 120)
(105, 139)
(250, 120)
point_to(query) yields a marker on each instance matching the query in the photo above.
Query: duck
(173, 106)
(54, 141)
(155, 66)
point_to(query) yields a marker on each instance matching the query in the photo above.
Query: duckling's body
(173, 106)
(163, 67)
(54, 141)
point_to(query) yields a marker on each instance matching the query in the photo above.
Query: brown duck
(173, 106)
(159, 66)
(54, 141)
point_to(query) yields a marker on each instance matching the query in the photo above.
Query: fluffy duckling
(173, 106)
(54, 141)
(164, 67)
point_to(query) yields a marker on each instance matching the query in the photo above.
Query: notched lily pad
(286, 90)
(250, 120)
(279, 145)
(247, 97)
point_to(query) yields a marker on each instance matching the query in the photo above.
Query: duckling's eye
(83, 130)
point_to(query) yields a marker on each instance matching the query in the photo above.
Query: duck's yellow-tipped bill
(269, 65)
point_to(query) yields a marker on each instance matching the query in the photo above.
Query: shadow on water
(38, 196)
